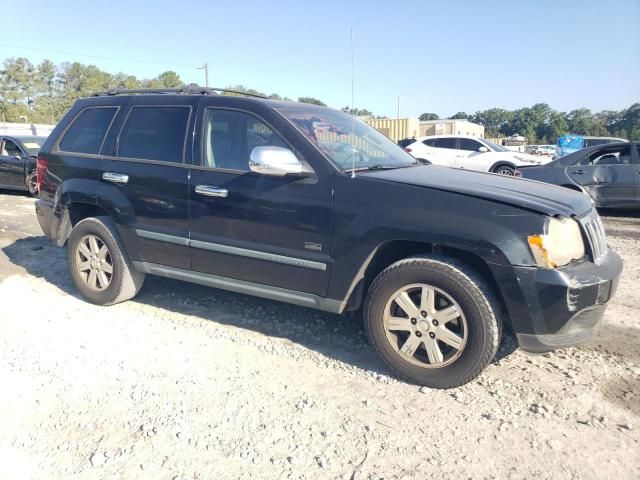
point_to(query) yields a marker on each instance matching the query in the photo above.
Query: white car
(470, 153)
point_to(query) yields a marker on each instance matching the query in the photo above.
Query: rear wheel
(98, 264)
(433, 321)
(32, 183)
(505, 170)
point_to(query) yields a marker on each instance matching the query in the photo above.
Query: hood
(536, 196)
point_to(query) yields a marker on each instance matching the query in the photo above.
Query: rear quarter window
(87, 131)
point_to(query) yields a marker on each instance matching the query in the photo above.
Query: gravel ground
(190, 382)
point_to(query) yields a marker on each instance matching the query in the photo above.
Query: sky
(440, 57)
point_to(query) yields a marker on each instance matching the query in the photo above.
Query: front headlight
(561, 243)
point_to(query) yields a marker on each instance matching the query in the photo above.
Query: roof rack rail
(191, 89)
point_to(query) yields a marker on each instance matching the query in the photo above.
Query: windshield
(347, 141)
(494, 147)
(33, 145)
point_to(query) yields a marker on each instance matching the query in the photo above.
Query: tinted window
(155, 133)
(611, 156)
(87, 131)
(468, 144)
(429, 142)
(445, 143)
(11, 149)
(230, 136)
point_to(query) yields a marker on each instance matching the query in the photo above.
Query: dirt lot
(189, 382)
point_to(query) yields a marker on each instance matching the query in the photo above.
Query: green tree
(459, 116)
(580, 121)
(312, 101)
(428, 116)
(356, 111)
(494, 121)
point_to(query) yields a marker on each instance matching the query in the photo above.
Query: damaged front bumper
(565, 305)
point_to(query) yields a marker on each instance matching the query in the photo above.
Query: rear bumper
(44, 211)
(564, 306)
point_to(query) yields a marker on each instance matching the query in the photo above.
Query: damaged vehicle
(608, 174)
(307, 205)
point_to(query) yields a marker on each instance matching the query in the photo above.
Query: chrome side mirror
(277, 161)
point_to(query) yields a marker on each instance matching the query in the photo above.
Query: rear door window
(155, 133)
(429, 142)
(86, 133)
(446, 143)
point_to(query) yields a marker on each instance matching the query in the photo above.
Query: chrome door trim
(258, 255)
(120, 178)
(241, 286)
(241, 252)
(163, 237)
(211, 191)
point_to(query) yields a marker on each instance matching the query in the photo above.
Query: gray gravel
(189, 382)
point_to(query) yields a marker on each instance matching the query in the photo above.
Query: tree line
(542, 124)
(42, 93)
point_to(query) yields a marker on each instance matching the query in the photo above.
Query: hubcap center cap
(424, 326)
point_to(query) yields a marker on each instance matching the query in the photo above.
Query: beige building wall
(451, 127)
(396, 129)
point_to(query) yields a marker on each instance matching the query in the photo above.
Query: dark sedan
(609, 174)
(18, 162)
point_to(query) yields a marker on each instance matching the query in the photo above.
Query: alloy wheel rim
(32, 183)
(94, 262)
(425, 326)
(505, 171)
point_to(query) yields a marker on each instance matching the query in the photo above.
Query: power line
(96, 56)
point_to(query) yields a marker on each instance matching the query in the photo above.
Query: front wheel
(433, 321)
(505, 170)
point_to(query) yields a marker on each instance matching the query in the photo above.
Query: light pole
(400, 97)
(205, 67)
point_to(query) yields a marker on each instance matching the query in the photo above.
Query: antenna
(353, 118)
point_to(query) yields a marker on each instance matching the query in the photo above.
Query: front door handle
(211, 191)
(578, 172)
(115, 177)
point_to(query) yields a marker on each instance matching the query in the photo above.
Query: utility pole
(205, 67)
(400, 97)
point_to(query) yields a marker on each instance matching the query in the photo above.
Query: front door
(12, 160)
(253, 227)
(610, 175)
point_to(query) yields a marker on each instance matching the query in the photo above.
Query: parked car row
(18, 162)
(303, 204)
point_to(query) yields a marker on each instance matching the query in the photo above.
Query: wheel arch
(501, 163)
(392, 251)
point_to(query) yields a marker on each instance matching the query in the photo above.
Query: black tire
(474, 297)
(424, 161)
(506, 170)
(32, 183)
(125, 281)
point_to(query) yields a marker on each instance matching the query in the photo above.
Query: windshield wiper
(381, 166)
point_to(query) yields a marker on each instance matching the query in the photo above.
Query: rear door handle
(211, 191)
(115, 177)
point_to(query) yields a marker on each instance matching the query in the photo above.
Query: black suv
(308, 205)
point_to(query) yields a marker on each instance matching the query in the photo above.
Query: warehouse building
(397, 129)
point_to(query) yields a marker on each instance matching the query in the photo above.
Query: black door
(145, 174)
(12, 160)
(257, 228)
(610, 175)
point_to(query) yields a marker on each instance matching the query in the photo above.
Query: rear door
(610, 175)
(145, 174)
(263, 229)
(12, 160)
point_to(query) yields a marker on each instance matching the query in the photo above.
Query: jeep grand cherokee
(307, 205)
